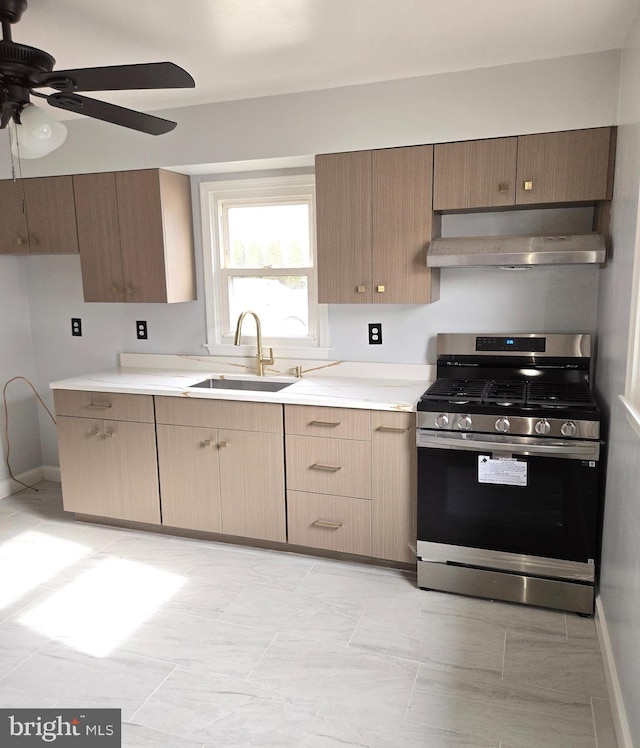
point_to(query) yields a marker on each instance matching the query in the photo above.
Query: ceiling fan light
(36, 135)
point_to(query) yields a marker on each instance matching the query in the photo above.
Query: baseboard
(9, 486)
(52, 473)
(618, 711)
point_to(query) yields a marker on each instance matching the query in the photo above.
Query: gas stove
(525, 384)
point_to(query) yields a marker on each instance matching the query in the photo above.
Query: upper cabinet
(135, 236)
(374, 221)
(560, 167)
(38, 216)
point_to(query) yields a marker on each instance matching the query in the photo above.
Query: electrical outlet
(141, 329)
(76, 327)
(375, 333)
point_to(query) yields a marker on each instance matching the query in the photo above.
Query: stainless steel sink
(242, 384)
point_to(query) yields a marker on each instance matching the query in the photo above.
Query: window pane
(281, 302)
(268, 236)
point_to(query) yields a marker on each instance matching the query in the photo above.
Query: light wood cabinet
(574, 166)
(333, 523)
(475, 174)
(221, 466)
(38, 216)
(393, 480)
(135, 236)
(374, 221)
(108, 466)
(563, 167)
(354, 492)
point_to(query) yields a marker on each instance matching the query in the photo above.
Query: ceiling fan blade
(118, 78)
(117, 115)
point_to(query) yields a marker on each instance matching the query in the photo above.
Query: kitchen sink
(242, 384)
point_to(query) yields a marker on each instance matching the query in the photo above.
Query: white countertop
(395, 387)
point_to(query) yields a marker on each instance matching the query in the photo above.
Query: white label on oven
(505, 471)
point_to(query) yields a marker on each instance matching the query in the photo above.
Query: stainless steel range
(509, 470)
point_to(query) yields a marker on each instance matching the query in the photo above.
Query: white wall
(17, 359)
(620, 576)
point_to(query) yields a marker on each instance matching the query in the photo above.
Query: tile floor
(204, 644)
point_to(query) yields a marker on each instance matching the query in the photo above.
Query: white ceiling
(245, 48)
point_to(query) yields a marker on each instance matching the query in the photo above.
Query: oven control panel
(516, 425)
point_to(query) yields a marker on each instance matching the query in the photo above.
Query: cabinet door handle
(330, 525)
(93, 432)
(114, 289)
(380, 289)
(392, 430)
(360, 289)
(108, 434)
(330, 468)
(528, 185)
(20, 240)
(503, 187)
(223, 444)
(129, 289)
(329, 424)
(100, 405)
(206, 443)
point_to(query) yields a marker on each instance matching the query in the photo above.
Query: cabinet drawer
(342, 423)
(109, 406)
(335, 466)
(335, 523)
(223, 414)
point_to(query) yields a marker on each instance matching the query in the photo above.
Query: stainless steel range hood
(513, 251)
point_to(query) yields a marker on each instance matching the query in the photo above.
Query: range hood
(513, 251)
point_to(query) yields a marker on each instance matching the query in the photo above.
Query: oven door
(521, 504)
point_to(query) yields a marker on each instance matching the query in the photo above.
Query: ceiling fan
(23, 69)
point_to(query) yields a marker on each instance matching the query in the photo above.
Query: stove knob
(543, 427)
(503, 424)
(464, 423)
(569, 429)
(442, 421)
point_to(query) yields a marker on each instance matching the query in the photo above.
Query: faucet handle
(271, 360)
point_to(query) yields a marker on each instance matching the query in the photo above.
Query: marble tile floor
(205, 645)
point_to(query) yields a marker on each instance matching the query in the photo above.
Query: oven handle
(570, 450)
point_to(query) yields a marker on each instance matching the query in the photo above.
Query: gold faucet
(261, 359)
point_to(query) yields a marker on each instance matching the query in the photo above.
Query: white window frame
(631, 397)
(213, 197)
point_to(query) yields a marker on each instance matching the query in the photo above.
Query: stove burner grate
(467, 390)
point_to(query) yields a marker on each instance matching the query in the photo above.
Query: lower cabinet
(219, 466)
(216, 475)
(351, 481)
(108, 466)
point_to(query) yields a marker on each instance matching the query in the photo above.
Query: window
(259, 255)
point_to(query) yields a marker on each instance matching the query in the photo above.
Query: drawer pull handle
(100, 405)
(330, 525)
(392, 430)
(331, 424)
(330, 468)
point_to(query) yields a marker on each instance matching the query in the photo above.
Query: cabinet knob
(93, 432)
(114, 289)
(360, 289)
(19, 240)
(222, 444)
(503, 187)
(528, 185)
(108, 434)
(206, 443)
(129, 289)
(380, 289)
